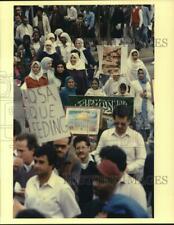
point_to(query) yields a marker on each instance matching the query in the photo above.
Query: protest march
(83, 111)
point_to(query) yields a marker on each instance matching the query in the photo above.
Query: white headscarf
(57, 33)
(66, 35)
(82, 56)
(133, 66)
(80, 65)
(44, 63)
(39, 74)
(53, 50)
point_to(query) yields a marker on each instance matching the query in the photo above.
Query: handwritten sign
(45, 113)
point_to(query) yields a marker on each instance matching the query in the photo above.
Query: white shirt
(29, 167)
(131, 142)
(132, 188)
(72, 13)
(54, 199)
(22, 30)
(85, 165)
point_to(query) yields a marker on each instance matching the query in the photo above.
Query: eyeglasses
(60, 146)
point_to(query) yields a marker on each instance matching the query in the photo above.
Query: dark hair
(80, 15)
(60, 62)
(26, 37)
(121, 111)
(48, 150)
(81, 138)
(96, 79)
(29, 213)
(40, 9)
(16, 127)
(116, 155)
(123, 86)
(75, 51)
(31, 140)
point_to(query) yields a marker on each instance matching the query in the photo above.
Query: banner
(45, 113)
(106, 103)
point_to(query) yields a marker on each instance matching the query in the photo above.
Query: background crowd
(67, 177)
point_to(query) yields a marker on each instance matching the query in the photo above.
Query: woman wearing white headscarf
(66, 46)
(52, 38)
(76, 69)
(49, 51)
(36, 77)
(87, 57)
(142, 102)
(133, 64)
(48, 71)
(58, 32)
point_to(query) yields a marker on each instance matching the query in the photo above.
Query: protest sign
(83, 120)
(45, 113)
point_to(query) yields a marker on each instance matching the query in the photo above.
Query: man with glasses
(128, 139)
(68, 165)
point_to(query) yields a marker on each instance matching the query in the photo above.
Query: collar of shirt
(50, 182)
(126, 179)
(85, 165)
(127, 133)
(29, 167)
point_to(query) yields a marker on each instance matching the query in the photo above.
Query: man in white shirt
(23, 29)
(41, 21)
(47, 192)
(126, 184)
(128, 139)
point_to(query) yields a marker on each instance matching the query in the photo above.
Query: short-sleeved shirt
(55, 199)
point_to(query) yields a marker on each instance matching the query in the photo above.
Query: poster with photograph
(83, 120)
(112, 57)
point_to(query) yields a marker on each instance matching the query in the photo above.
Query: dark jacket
(69, 168)
(85, 185)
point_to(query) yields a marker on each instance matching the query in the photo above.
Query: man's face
(121, 124)
(39, 13)
(62, 147)
(42, 166)
(36, 36)
(82, 150)
(24, 152)
(25, 21)
(104, 187)
(60, 68)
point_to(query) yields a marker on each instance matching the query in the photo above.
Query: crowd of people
(67, 178)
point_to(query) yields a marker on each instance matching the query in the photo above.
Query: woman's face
(73, 60)
(78, 44)
(71, 83)
(52, 39)
(60, 68)
(49, 65)
(140, 74)
(134, 56)
(63, 40)
(35, 68)
(94, 85)
(48, 47)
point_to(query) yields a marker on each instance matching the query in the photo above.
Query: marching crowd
(66, 178)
